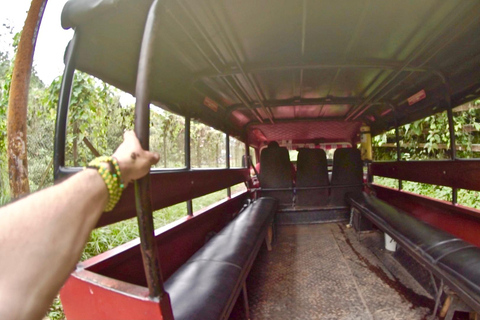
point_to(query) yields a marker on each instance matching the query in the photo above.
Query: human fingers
(134, 162)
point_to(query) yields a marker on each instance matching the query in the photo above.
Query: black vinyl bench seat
(208, 284)
(448, 257)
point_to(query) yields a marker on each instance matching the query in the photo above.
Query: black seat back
(276, 172)
(347, 171)
(312, 171)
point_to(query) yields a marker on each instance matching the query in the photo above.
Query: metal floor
(322, 271)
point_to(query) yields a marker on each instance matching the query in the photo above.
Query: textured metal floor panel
(323, 272)
(300, 216)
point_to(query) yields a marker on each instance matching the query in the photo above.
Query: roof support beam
(234, 54)
(207, 58)
(257, 68)
(434, 45)
(301, 102)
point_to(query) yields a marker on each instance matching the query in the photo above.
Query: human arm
(43, 235)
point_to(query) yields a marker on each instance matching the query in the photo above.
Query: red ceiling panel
(322, 131)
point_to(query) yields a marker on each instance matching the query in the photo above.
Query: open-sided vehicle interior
(281, 76)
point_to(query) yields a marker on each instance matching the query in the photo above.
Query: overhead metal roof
(239, 64)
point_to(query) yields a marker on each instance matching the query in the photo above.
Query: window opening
(167, 137)
(237, 151)
(209, 199)
(207, 147)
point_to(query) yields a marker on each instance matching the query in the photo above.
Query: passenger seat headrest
(273, 144)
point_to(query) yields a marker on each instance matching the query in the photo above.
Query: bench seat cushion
(454, 259)
(205, 286)
(201, 289)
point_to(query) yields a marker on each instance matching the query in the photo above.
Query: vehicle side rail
(448, 257)
(311, 188)
(460, 174)
(172, 187)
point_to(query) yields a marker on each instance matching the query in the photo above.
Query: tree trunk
(18, 101)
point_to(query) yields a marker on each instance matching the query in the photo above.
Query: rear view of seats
(312, 173)
(313, 188)
(276, 172)
(347, 175)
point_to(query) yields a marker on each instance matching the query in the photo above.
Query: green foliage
(207, 147)
(429, 139)
(5, 80)
(167, 137)
(95, 114)
(56, 310)
(109, 237)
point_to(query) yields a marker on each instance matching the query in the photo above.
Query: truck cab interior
(319, 78)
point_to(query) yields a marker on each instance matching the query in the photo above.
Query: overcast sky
(52, 39)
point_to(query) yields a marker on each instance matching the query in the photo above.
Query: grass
(111, 236)
(464, 197)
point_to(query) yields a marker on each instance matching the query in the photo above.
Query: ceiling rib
(302, 47)
(465, 23)
(432, 39)
(351, 42)
(303, 102)
(375, 64)
(228, 44)
(205, 55)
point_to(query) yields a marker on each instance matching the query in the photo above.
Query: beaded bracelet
(112, 177)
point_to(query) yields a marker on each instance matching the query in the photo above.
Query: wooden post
(18, 101)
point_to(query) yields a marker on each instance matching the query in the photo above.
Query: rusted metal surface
(324, 272)
(18, 102)
(143, 201)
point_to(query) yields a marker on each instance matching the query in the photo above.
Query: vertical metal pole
(399, 153)
(188, 159)
(62, 109)
(227, 156)
(397, 140)
(143, 199)
(451, 128)
(247, 152)
(452, 133)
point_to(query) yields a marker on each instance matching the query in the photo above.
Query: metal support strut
(62, 109)
(451, 128)
(188, 159)
(143, 201)
(397, 141)
(227, 156)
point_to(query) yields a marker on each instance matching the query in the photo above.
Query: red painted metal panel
(112, 285)
(169, 188)
(90, 296)
(176, 243)
(458, 220)
(308, 131)
(461, 174)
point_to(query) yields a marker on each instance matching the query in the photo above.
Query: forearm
(43, 235)
(39, 256)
